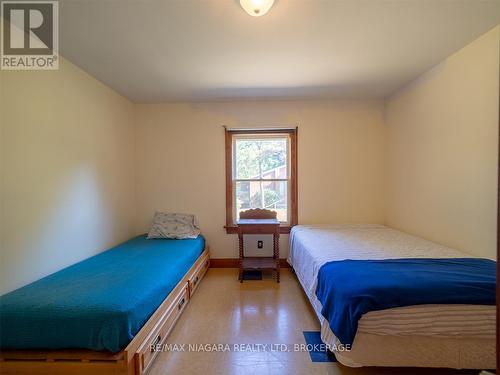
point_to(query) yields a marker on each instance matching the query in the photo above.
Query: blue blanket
(350, 288)
(99, 303)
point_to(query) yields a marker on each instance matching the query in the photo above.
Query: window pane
(261, 158)
(271, 195)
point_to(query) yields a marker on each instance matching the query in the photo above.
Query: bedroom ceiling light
(256, 8)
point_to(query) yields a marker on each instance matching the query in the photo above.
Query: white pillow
(173, 226)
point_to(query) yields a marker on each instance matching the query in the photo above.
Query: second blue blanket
(350, 288)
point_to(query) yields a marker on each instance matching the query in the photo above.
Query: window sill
(233, 229)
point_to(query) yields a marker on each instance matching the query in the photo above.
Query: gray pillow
(173, 226)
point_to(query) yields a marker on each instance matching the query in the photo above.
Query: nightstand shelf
(259, 263)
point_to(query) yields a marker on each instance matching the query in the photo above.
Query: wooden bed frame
(135, 359)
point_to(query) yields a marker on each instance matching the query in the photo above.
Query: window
(261, 172)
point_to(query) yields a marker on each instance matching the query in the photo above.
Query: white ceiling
(169, 50)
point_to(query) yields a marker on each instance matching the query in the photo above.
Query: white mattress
(312, 246)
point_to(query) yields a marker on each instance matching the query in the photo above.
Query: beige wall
(68, 171)
(180, 161)
(442, 150)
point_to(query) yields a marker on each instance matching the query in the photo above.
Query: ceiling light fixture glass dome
(256, 8)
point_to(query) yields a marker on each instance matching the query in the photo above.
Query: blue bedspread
(99, 303)
(350, 288)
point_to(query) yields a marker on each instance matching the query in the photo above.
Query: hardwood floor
(223, 311)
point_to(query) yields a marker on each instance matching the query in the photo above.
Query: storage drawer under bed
(145, 354)
(198, 274)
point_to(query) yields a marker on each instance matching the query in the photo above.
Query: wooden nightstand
(259, 221)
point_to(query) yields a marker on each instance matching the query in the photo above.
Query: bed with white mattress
(454, 336)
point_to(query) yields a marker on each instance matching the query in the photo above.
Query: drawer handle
(196, 280)
(156, 342)
(181, 303)
(206, 263)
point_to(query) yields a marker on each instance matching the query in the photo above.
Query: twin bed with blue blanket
(101, 303)
(385, 298)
